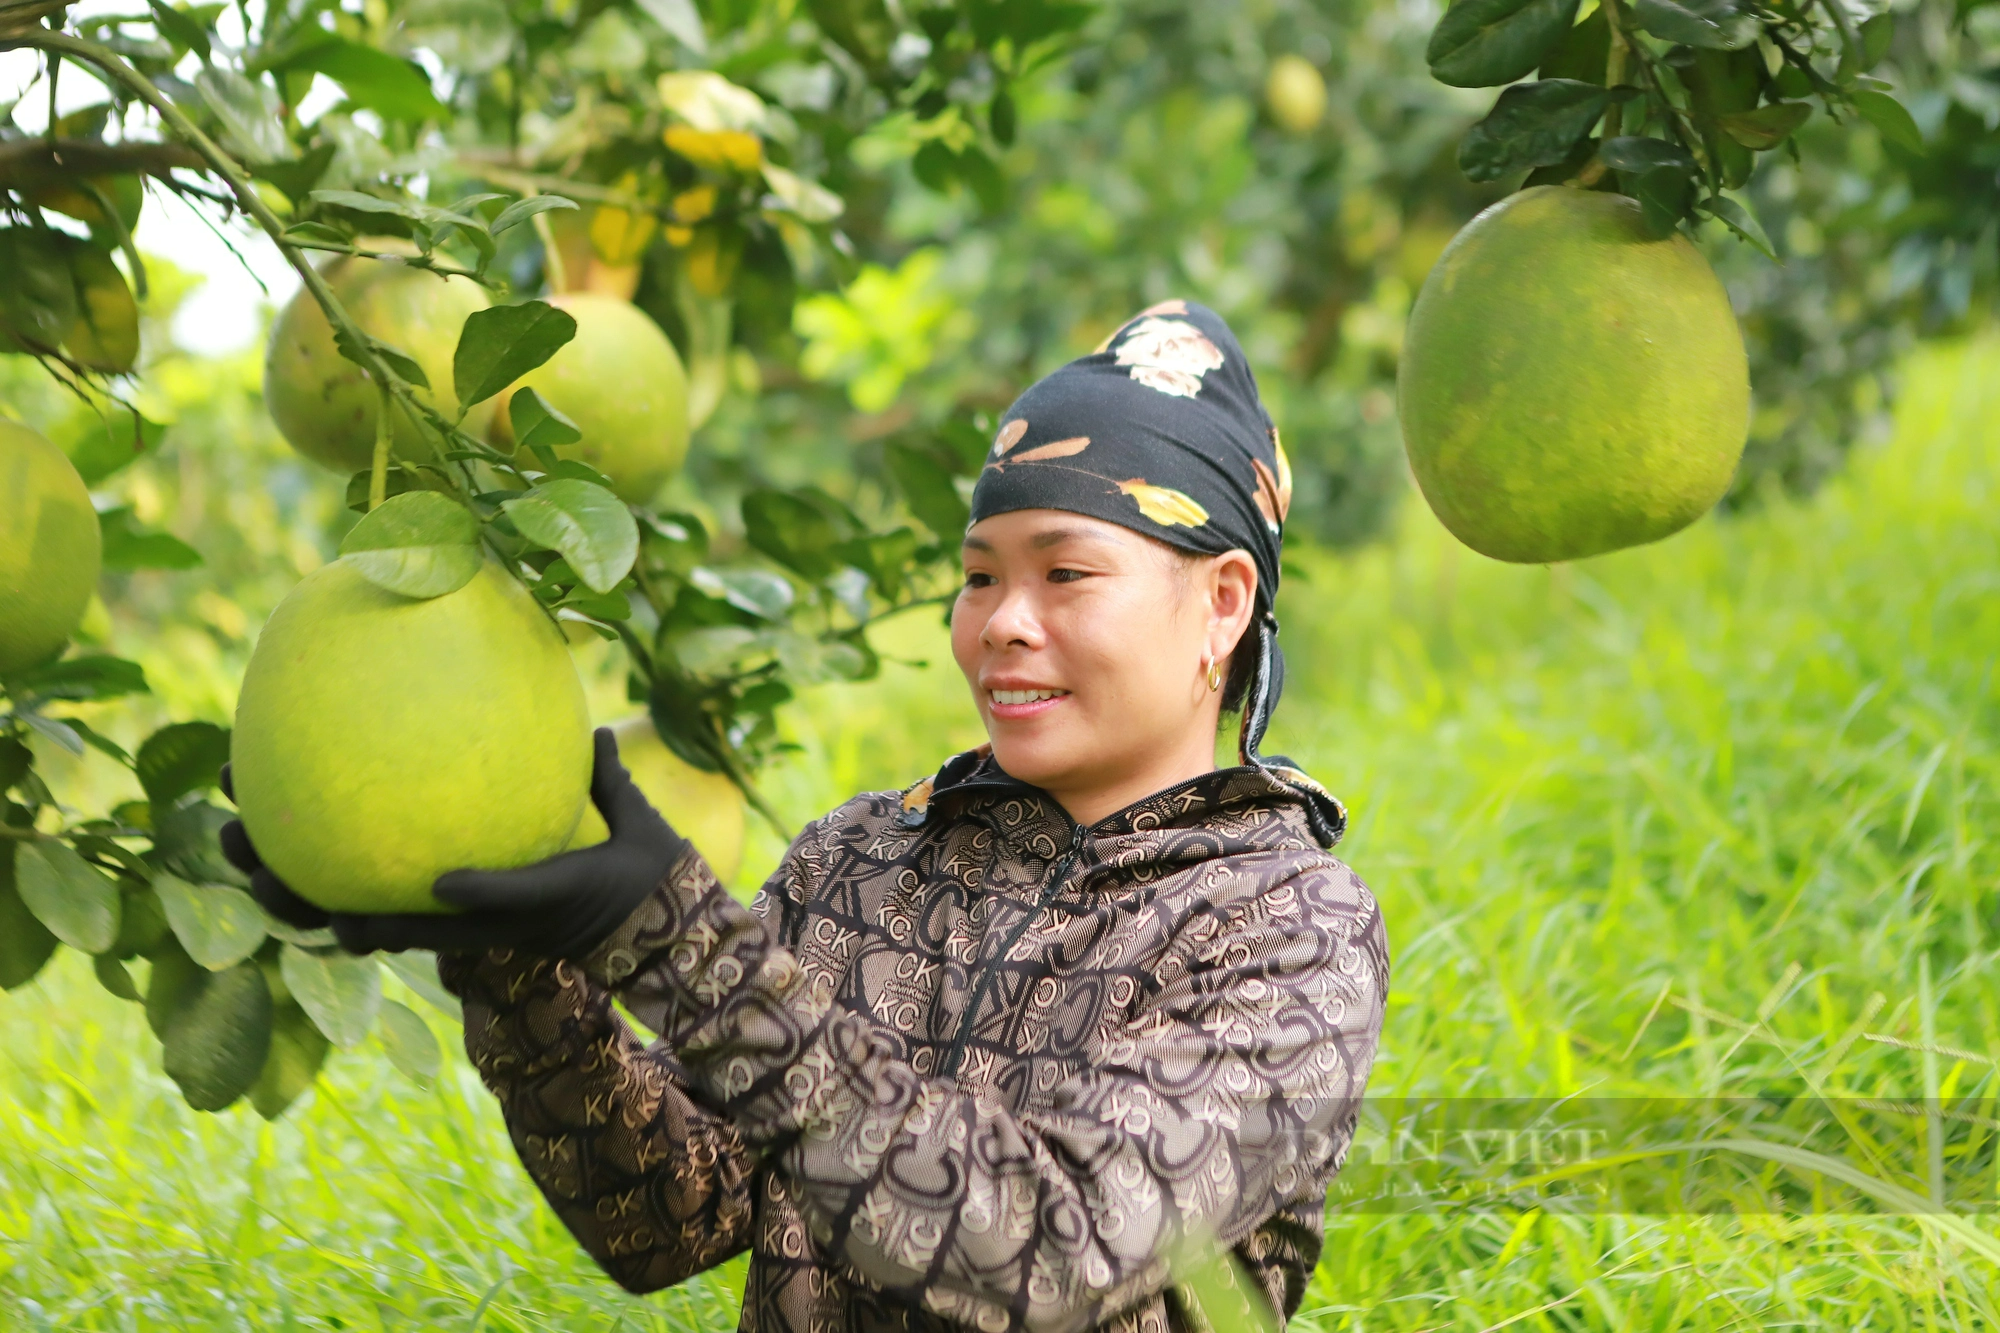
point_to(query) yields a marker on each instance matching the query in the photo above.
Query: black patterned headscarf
(1160, 430)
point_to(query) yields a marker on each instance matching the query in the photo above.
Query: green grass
(1753, 768)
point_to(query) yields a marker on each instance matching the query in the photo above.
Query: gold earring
(1214, 675)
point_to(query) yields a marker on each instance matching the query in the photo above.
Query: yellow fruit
(621, 382)
(1570, 383)
(324, 406)
(1296, 94)
(382, 740)
(50, 547)
(704, 808)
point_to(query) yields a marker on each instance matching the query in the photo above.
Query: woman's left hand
(559, 908)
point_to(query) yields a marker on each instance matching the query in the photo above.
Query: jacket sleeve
(655, 1186)
(1232, 1089)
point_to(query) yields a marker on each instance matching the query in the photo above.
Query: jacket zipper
(984, 982)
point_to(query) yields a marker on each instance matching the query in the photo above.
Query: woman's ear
(1232, 599)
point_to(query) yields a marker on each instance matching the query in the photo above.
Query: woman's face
(1087, 645)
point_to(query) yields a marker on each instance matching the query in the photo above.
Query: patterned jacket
(964, 1063)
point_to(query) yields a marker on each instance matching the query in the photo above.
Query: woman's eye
(1065, 575)
(975, 580)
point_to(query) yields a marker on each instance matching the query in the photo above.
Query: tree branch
(26, 161)
(232, 172)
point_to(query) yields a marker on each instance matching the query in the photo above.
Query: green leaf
(1636, 155)
(1877, 34)
(187, 842)
(1739, 220)
(298, 1051)
(105, 334)
(80, 678)
(796, 530)
(409, 371)
(411, 1045)
(383, 83)
(217, 925)
(180, 758)
(55, 730)
(757, 591)
(296, 178)
(503, 343)
(219, 1036)
(1484, 43)
(537, 423)
(175, 978)
(417, 969)
(341, 992)
(15, 761)
(680, 20)
(1715, 24)
(588, 525)
(1583, 53)
(37, 297)
(248, 112)
(1665, 194)
(25, 943)
(1890, 118)
(120, 437)
(180, 29)
(420, 544)
(1767, 126)
(130, 547)
(111, 975)
(1532, 125)
(142, 925)
(70, 896)
(514, 214)
(927, 486)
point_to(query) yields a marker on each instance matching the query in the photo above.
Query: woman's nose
(1013, 622)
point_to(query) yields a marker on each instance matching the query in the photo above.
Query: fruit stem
(1614, 69)
(378, 474)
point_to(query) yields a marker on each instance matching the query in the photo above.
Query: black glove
(558, 908)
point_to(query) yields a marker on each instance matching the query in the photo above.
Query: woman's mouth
(1023, 703)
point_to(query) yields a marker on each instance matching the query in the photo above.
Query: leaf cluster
(1667, 102)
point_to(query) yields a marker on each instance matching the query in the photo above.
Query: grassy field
(1697, 820)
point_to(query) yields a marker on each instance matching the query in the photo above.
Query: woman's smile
(1021, 701)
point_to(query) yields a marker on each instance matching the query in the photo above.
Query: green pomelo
(1570, 383)
(324, 406)
(382, 740)
(50, 547)
(704, 808)
(622, 383)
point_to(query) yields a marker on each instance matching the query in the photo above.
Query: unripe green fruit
(381, 740)
(704, 808)
(1571, 383)
(50, 547)
(323, 404)
(1296, 93)
(622, 383)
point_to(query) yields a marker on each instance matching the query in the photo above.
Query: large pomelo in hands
(704, 808)
(1571, 383)
(50, 547)
(382, 740)
(324, 406)
(622, 383)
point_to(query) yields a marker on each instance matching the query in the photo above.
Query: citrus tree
(461, 160)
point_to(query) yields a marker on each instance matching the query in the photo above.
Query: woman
(988, 1052)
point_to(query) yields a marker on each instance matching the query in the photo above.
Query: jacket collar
(972, 779)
